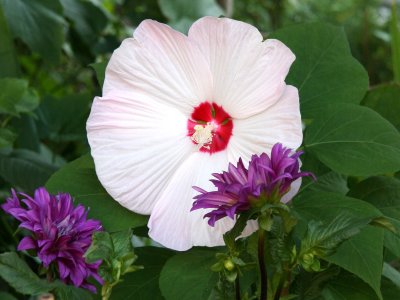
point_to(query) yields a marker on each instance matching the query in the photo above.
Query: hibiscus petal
(281, 123)
(294, 188)
(172, 223)
(162, 63)
(248, 74)
(137, 144)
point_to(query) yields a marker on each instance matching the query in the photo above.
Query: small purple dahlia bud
(238, 189)
(61, 233)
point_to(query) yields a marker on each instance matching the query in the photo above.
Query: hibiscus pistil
(210, 127)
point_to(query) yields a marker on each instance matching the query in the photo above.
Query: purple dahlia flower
(267, 179)
(61, 233)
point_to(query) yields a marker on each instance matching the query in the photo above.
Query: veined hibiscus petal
(248, 74)
(172, 223)
(294, 189)
(257, 134)
(137, 145)
(164, 64)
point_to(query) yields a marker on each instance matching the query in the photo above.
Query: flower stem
(261, 264)
(237, 288)
(279, 288)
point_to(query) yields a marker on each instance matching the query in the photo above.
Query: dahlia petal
(137, 144)
(281, 123)
(26, 243)
(248, 74)
(172, 223)
(162, 63)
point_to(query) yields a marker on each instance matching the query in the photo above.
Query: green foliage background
(52, 59)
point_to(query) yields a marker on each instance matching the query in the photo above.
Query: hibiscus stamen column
(210, 127)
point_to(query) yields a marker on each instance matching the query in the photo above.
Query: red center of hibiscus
(210, 127)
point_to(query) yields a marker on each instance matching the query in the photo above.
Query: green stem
(237, 287)
(280, 287)
(261, 265)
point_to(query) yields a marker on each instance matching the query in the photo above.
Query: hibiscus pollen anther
(210, 127)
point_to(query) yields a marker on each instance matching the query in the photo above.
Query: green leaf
(324, 70)
(385, 100)
(122, 241)
(17, 274)
(28, 137)
(28, 102)
(6, 296)
(79, 179)
(347, 287)
(354, 140)
(8, 61)
(12, 91)
(322, 239)
(328, 182)
(389, 290)
(16, 97)
(38, 23)
(362, 255)
(101, 248)
(198, 280)
(25, 169)
(395, 41)
(64, 119)
(88, 20)
(69, 292)
(100, 69)
(182, 13)
(392, 274)
(325, 206)
(143, 284)
(7, 137)
(384, 193)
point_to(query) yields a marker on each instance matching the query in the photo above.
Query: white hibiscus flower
(177, 108)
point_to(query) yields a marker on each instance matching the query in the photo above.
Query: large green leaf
(17, 273)
(64, 119)
(324, 70)
(354, 140)
(182, 13)
(385, 100)
(362, 254)
(38, 23)
(328, 182)
(389, 290)
(25, 169)
(326, 206)
(79, 179)
(6, 296)
(69, 292)
(16, 97)
(384, 193)
(12, 91)
(143, 284)
(8, 60)
(188, 276)
(7, 137)
(347, 287)
(88, 20)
